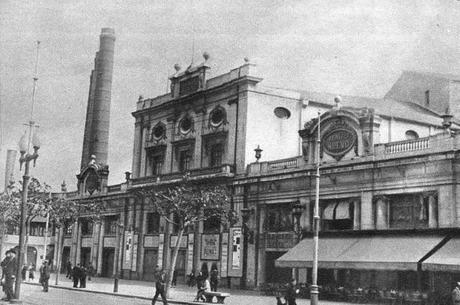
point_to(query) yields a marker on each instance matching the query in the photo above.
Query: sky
(344, 47)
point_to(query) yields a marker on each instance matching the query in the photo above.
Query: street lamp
(297, 210)
(120, 230)
(314, 286)
(25, 158)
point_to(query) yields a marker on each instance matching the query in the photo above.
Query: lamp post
(116, 277)
(26, 158)
(314, 286)
(297, 210)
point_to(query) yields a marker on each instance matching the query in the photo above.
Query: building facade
(388, 171)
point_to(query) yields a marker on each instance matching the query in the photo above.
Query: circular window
(217, 116)
(185, 125)
(411, 135)
(282, 113)
(159, 132)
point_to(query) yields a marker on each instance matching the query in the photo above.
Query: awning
(445, 259)
(363, 252)
(328, 212)
(342, 210)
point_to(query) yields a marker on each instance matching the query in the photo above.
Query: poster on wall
(224, 257)
(134, 251)
(236, 248)
(210, 244)
(128, 248)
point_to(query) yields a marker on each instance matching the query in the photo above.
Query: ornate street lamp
(25, 158)
(297, 210)
(120, 231)
(258, 151)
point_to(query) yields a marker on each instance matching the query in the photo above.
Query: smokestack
(96, 136)
(9, 167)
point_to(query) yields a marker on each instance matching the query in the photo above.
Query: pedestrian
(83, 273)
(456, 294)
(160, 286)
(44, 275)
(9, 267)
(203, 286)
(69, 269)
(191, 279)
(76, 275)
(214, 279)
(31, 273)
(24, 272)
(90, 271)
(291, 293)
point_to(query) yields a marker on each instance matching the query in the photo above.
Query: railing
(199, 172)
(280, 240)
(114, 188)
(408, 145)
(283, 164)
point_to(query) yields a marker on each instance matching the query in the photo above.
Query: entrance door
(150, 262)
(108, 255)
(85, 257)
(65, 258)
(275, 274)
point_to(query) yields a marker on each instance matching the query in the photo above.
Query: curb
(113, 294)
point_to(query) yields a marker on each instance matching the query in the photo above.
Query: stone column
(357, 214)
(137, 150)
(432, 211)
(145, 132)
(101, 247)
(367, 211)
(381, 205)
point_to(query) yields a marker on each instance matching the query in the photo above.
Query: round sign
(338, 141)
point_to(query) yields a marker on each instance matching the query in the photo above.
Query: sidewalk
(145, 290)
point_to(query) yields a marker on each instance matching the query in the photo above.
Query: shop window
(212, 222)
(337, 215)
(111, 223)
(279, 219)
(153, 223)
(86, 226)
(411, 211)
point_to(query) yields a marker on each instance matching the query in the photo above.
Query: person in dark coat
(160, 288)
(24, 272)
(69, 270)
(76, 275)
(291, 293)
(44, 275)
(214, 279)
(83, 274)
(9, 266)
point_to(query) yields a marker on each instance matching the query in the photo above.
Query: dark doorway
(108, 255)
(205, 270)
(275, 274)
(65, 258)
(85, 257)
(150, 262)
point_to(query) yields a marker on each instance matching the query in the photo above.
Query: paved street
(130, 293)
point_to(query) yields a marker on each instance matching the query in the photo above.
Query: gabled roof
(383, 107)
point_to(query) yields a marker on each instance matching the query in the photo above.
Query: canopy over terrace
(445, 259)
(386, 252)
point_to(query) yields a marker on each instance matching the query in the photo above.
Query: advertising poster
(210, 244)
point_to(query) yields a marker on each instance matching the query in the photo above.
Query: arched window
(411, 135)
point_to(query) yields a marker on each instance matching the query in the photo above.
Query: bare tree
(186, 204)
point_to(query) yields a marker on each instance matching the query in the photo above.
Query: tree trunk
(173, 262)
(60, 247)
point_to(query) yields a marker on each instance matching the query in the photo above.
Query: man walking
(291, 293)
(160, 288)
(76, 275)
(9, 267)
(214, 279)
(69, 270)
(44, 275)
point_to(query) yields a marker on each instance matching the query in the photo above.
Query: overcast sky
(346, 47)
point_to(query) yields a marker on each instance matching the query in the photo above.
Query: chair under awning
(387, 252)
(447, 258)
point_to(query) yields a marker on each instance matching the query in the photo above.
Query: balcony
(221, 171)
